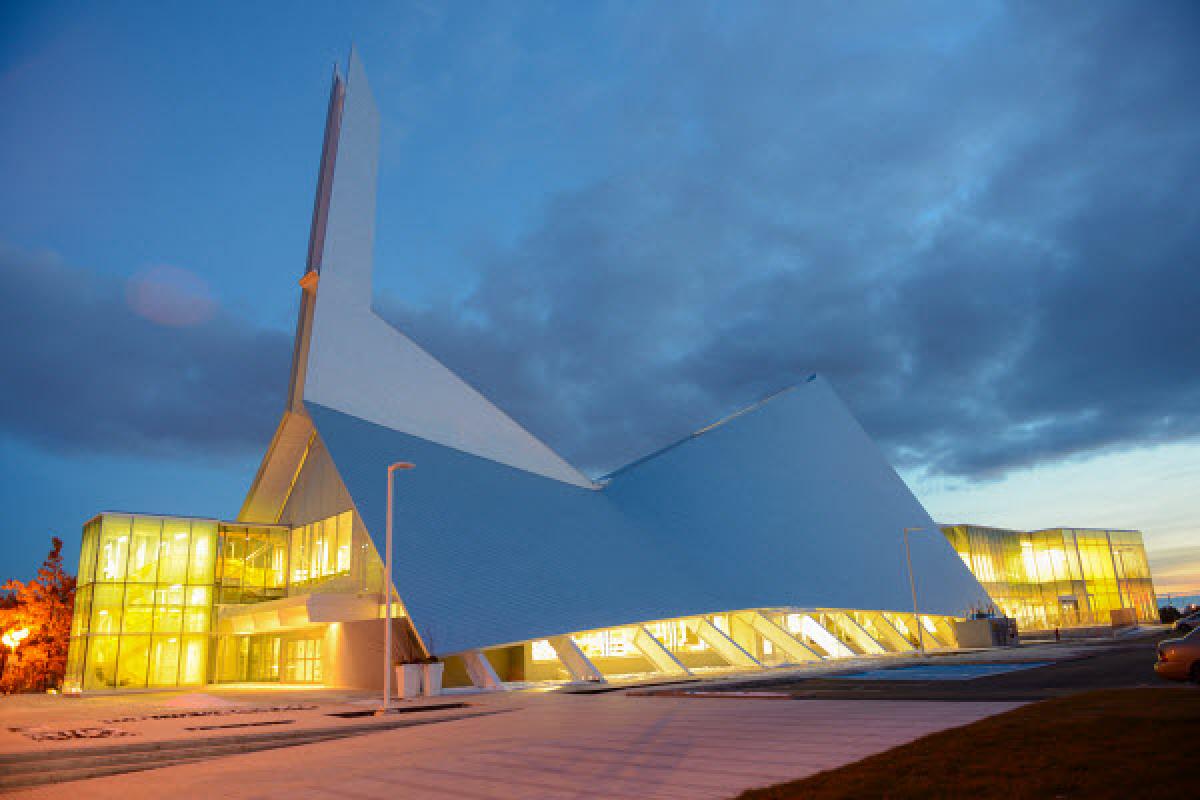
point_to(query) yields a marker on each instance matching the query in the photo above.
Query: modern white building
(774, 536)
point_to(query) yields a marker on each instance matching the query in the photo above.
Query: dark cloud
(982, 227)
(82, 372)
(980, 222)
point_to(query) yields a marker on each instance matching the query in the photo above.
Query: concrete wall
(507, 661)
(354, 652)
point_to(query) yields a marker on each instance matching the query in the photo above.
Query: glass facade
(292, 657)
(765, 637)
(322, 549)
(1060, 577)
(150, 588)
(253, 565)
(143, 607)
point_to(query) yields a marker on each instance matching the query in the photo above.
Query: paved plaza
(554, 745)
(711, 738)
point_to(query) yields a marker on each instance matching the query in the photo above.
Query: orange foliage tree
(44, 606)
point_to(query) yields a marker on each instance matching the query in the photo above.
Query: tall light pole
(912, 584)
(387, 591)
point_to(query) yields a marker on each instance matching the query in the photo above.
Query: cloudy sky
(980, 221)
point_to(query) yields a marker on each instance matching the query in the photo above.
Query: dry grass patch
(1111, 743)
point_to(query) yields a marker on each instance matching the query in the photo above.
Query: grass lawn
(1113, 743)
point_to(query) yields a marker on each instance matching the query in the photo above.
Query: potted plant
(408, 680)
(431, 675)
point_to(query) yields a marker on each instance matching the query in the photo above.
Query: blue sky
(621, 221)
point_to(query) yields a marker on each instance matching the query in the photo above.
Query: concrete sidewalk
(555, 745)
(44, 725)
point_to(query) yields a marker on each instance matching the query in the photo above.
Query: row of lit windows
(253, 562)
(136, 661)
(141, 608)
(117, 548)
(826, 632)
(1061, 576)
(322, 549)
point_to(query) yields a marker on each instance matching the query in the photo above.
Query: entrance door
(302, 661)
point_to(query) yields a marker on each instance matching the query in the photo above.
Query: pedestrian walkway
(555, 745)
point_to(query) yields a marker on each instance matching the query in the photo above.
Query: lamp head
(13, 638)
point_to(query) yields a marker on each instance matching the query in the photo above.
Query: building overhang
(295, 613)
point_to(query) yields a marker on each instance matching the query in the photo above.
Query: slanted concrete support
(912, 623)
(744, 636)
(934, 637)
(858, 635)
(824, 638)
(480, 670)
(658, 654)
(932, 640)
(726, 648)
(795, 650)
(578, 665)
(891, 636)
(945, 632)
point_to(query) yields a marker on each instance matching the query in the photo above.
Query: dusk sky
(980, 221)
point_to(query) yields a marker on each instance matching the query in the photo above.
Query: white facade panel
(360, 364)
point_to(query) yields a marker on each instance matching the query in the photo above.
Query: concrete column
(480, 670)
(892, 637)
(579, 666)
(662, 658)
(726, 648)
(796, 650)
(858, 634)
(825, 639)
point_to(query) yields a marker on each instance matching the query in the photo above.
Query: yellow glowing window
(173, 555)
(204, 551)
(113, 549)
(542, 651)
(603, 644)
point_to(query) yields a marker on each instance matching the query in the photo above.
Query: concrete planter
(408, 680)
(432, 676)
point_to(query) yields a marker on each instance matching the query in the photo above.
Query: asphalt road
(1110, 665)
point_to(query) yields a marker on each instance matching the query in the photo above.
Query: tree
(43, 605)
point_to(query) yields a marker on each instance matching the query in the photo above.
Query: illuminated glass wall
(1059, 577)
(253, 564)
(291, 657)
(322, 549)
(148, 587)
(143, 608)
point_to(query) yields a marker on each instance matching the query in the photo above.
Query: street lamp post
(912, 584)
(387, 591)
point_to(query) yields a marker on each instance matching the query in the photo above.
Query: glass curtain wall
(293, 657)
(143, 608)
(1058, 577)
(322, 549)
(148, 585)
(253, 565)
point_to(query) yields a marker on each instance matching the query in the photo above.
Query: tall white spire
(359, 364)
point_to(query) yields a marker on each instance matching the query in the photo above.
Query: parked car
(1188, 623)
(1179, 659)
